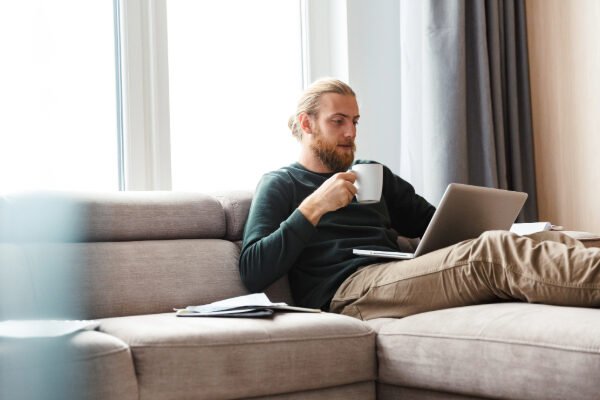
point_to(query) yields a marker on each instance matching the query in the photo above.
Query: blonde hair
(309, 102)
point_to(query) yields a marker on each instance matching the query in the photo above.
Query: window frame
(142, 52)
(143, 55)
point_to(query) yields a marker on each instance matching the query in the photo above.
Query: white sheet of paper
(250, 300)
(527, 228)
(43, 328)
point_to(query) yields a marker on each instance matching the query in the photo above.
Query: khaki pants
(547, 267)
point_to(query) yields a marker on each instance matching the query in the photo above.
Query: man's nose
(350, 131)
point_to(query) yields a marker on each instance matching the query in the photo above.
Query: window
(235, 74)
(57, 95)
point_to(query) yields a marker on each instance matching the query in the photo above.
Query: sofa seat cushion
(224, 358)
(503, 350)
(84, 365)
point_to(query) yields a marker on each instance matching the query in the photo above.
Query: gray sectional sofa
(126, 259)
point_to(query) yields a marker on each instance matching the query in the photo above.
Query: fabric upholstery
(96, 280)
(219, 358)
(110, 216)
(357, 391)
(84, 365)
(392, 392)
(16, 288)
(236, 206)
(280, 291)
(507, 350)
(503, 350)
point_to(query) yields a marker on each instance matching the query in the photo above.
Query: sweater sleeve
(410, 213)
(275, 234)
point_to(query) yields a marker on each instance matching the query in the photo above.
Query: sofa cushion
(110, 216)
(219, 358)
(391, 392)
(236, 206)
(354, 391)
(503, 350)
(108, 279)
(16, 300)
(279, 291)
(84, 365)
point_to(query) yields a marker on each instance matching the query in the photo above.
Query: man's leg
(548, 268)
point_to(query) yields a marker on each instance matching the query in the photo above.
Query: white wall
(358, 41)
(374, 73)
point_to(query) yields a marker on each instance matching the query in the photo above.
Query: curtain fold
(466, 113)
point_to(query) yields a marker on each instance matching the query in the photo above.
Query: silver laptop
(465, 212)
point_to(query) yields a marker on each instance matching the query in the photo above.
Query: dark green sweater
(279, 240)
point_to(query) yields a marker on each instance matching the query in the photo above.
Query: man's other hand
(335, 193)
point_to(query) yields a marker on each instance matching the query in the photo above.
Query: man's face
(334, 131)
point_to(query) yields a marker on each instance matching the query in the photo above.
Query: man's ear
(305, 123)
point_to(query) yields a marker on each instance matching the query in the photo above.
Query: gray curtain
(466, 113)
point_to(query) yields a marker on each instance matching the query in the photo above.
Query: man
(304, 222)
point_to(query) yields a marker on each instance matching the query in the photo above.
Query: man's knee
(493, 243)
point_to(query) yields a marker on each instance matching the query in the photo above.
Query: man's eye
(337, 121)
(355, 123)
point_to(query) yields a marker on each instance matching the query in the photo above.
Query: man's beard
(327, 153)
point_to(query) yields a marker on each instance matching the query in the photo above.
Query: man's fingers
(351, 188)
(338, 191)
(347, 176)
(350, 191)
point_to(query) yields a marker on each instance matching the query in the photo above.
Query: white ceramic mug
(369, 182)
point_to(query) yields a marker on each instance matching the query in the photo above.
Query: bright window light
(57, 95)
(235, 74)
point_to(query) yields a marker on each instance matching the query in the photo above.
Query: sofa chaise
(127, 259)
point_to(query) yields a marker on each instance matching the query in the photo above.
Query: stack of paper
(527, 228)
(252, 305)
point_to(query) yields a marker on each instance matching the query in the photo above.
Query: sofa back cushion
(110, 216)
(236, 206)
(16, 300)
(95, 255)
(109, 279)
